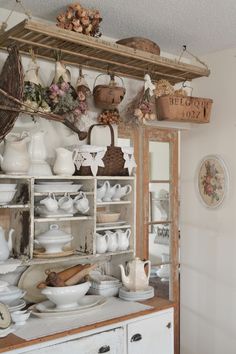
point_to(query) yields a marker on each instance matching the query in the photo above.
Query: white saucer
(18, 305)
(85, 302)
(136, 295)
(37, 313)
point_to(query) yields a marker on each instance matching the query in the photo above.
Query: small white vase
(64, 165)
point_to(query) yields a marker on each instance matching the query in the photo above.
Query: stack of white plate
(11, 296)
(139, 295)
(104, 285)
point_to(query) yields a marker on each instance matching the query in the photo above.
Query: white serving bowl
(6, 196)
(66, 297)
(7, 187)
(53, 245)
(20, 317)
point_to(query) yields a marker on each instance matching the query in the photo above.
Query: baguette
(75, 279)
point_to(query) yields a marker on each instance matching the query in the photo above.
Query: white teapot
(137, 279)
(5, 247)
(123, 239)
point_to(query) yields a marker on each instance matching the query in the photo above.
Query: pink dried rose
(54, 88)
(65, 86)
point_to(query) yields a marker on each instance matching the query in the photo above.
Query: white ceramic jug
(121, 192)
(137, 279)
(101, 243)
(15, 159)
(64, 165)
(110, 192)
(123, 239)
(5, 247)
(112, 243)
(38, 155)
(101, 191)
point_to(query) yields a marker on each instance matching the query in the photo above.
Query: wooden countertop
(12, 342)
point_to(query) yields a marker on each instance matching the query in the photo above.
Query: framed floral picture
(212, 181)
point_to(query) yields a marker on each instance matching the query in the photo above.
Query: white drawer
(153, 335)
(110, 342)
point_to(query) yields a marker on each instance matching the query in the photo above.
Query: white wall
(208, 237)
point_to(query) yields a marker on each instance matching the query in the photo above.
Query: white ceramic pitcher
(64, 165)
(15, 158)
(123, 239)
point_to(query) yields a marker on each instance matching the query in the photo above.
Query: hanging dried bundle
(80, 19)
(163, 87)
(12, 82)
(109, 116)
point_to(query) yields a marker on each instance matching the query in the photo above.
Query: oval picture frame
(212, 181)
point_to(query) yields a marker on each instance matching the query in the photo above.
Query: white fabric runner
(114, 307)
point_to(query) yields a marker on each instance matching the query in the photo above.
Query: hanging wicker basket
(108, 96)
(12, 82)
(184, 109)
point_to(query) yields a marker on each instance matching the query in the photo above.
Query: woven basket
(184, 109)
(108, 96)
(12, 82)
(113, 159)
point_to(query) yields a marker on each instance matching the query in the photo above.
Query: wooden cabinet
(151, 334)
(111, 342)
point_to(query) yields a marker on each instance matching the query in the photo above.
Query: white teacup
(81, 203)
(121, 192)
(66, 203)
(50, 202)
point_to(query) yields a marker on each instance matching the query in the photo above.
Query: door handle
(168, 325)
(104, 349)
(136, 337)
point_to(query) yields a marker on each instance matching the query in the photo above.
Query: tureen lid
(54, 231)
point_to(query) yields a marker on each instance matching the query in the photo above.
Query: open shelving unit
(27, 223)
(95, 53)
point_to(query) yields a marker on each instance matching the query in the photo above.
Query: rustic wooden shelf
(95, 53)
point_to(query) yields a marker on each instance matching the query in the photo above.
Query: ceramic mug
(50, 202)
(81, 203)
(66, 203)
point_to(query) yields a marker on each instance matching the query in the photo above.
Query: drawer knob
(168, 325)
(104, 349)
(136, 337)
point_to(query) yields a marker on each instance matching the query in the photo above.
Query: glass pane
(161, 283)
(159, 201)
(159, 244)
(123, 142)
(159, 160)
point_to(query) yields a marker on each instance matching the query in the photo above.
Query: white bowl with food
(66, 297)
(6, 196)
